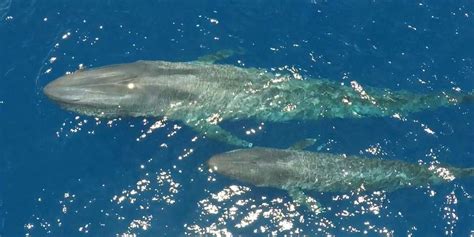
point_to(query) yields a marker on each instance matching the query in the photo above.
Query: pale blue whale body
(204, 94)
(326, 172)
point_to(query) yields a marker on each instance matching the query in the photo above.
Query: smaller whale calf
(297, 170)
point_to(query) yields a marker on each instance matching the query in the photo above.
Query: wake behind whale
(202, 95)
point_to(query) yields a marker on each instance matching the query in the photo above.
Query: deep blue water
(62, 174)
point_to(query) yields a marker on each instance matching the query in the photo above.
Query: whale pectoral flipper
(217, 56)
(302, 199)
(303, 144)
(214, 131)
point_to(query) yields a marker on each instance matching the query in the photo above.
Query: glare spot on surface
(375, 149)
(252, 131)
(289, 107)
(187, 152)
(131, 85)
(144, 223)
(157, 125)
(214, 118)
(429, 131)
(227, 193)
(66, 35)
(363, 94)
(84, 229)
(442, 172)
(29, 226)
(295, 73)
(70, 127)
(346, 101)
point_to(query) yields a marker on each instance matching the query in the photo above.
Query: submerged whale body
(204, 94)
(325, 172)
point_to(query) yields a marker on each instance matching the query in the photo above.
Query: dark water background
(68, 175)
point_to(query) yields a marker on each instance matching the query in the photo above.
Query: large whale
(296, 170)
(203, 94)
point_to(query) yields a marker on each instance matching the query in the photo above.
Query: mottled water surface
(64, 174)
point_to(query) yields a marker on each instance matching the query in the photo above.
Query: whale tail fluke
(465, 173)
(468, 98)
(469, 172)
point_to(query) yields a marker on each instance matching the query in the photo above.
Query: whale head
(257, 166)
(142, 88)
(103, 92)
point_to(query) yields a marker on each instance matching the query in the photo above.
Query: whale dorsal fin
(303, 144)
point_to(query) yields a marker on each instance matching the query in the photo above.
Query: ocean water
(64, 174)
